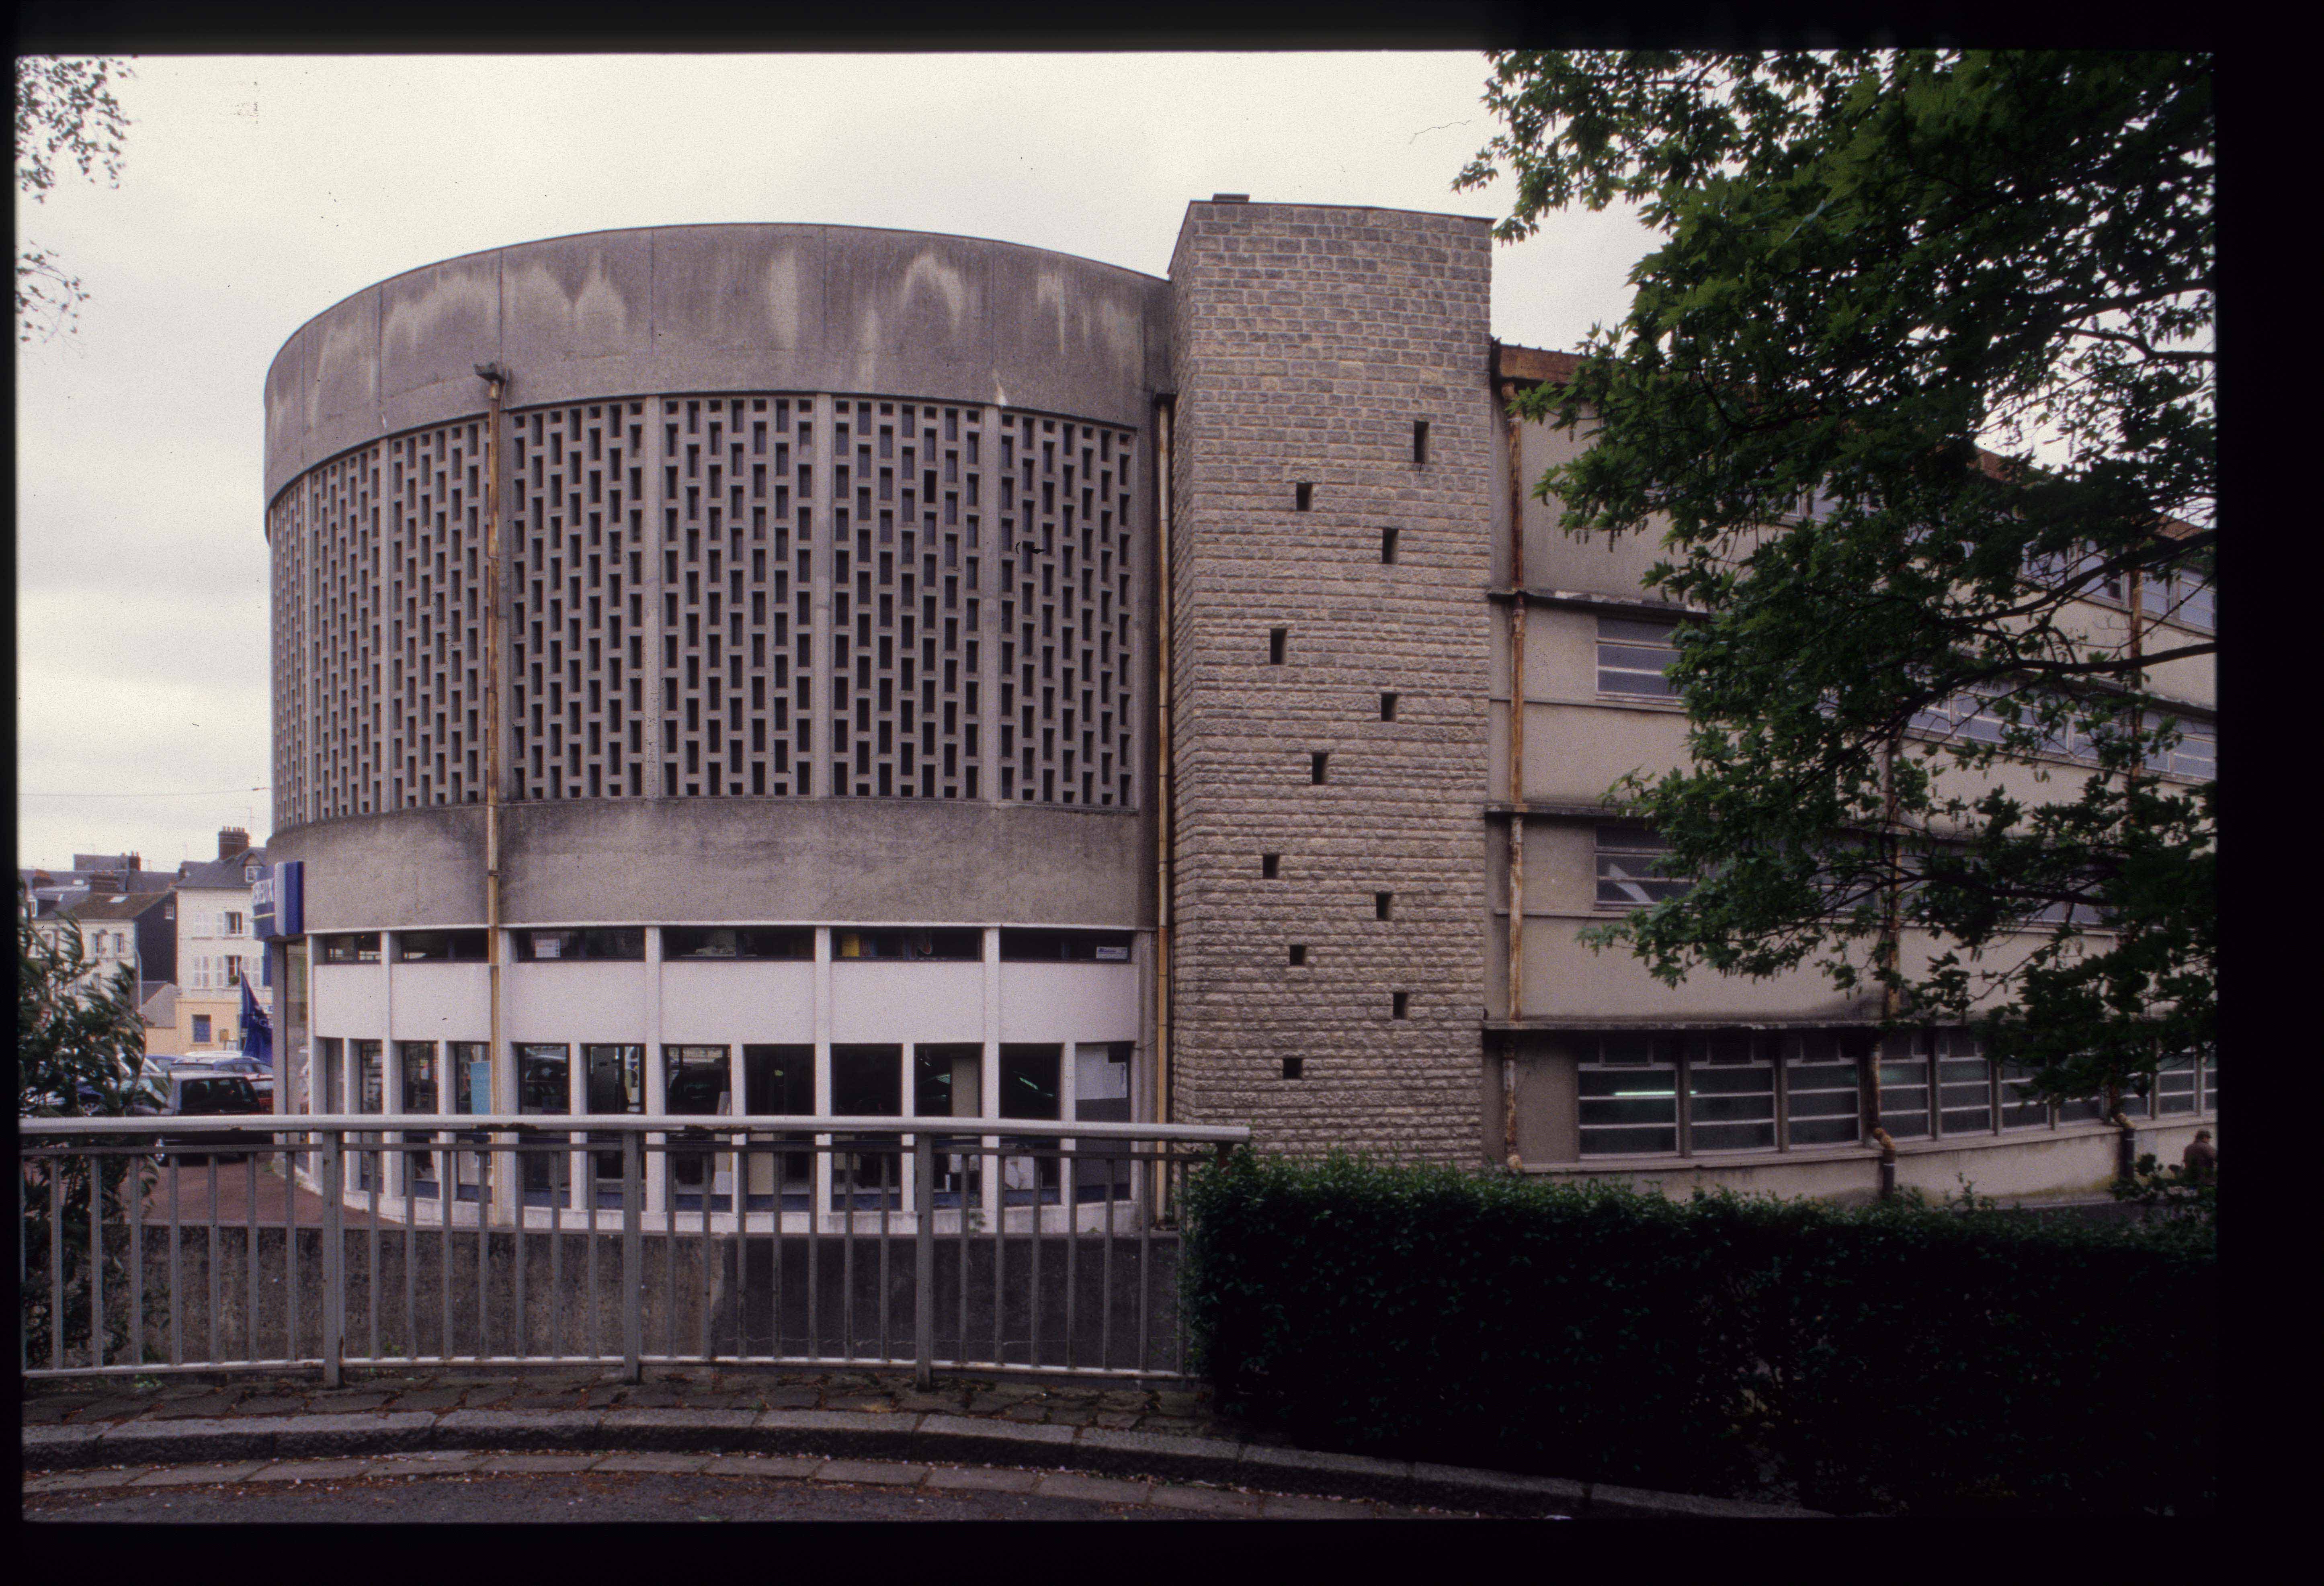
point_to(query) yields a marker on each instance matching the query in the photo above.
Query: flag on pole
(257, 1034)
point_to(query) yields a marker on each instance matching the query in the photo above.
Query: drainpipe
(1891, 953)
(2134, 593)
(1165, 833)
(1515, 436)
(495, 384)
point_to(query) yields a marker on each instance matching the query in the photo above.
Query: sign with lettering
(278, 902)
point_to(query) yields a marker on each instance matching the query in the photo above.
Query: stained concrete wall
(702, 309)
(702, 860)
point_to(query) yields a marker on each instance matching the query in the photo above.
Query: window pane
(2174, 1086)
(1633, 868)
(778, 1081)
(439, 946)
(945, 1081)
(1904, 1098)
(1028, 1081)
(2019, 1108)
(1632, 656)
(956, 944)
(1629, 1107)
(778, 942)
(697, 1082)
(1102, 1082)
(2211, 1083)
(541, 1079)
(1821, 1091)
(1026, 946)
(867, 1082)
(1731, 1103)
(417, 1061)
(352, 947)
(613, 1079)
(1965, 1096)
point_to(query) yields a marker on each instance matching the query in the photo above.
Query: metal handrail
(332, 1144)
(1207, 1134)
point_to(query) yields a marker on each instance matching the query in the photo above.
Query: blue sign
(278, 902)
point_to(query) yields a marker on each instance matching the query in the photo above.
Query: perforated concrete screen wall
(761, 595)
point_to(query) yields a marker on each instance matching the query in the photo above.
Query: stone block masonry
(1308, 343)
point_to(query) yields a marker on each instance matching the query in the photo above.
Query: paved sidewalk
(1122, 1445)
(563, 1489)
(1184, 1412)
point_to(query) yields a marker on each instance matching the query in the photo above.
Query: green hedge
(1899, 1358)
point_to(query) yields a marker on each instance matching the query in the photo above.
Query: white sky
(257, 191)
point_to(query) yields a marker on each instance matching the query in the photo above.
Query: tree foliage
(64, 113)
(1892, 278)
(81, 1053)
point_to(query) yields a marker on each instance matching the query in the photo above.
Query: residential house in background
(139, 929)
(51, 889)
(216, 951)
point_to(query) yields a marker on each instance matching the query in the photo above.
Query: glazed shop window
(791, 942)
(615, 943)
(439, 946)
(351, 948)
(1633, 868)
(949, 946)
(1065, 947)
(1633, 655)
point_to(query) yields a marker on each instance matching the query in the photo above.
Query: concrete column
(989, 1070)
(656, 1086)
(822, 1200)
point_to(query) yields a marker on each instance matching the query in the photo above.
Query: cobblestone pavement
(1185, 1412)
(563, 1489)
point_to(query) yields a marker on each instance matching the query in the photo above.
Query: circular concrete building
(824, 675)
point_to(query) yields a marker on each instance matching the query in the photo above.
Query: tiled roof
(226, 874)
(136, 880)
(116, 905)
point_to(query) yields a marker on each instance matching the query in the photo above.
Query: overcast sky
(258, 191)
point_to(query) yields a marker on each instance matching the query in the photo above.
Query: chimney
(108, 881)
(232, 840)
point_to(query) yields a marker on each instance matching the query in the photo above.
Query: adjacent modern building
(933, 676)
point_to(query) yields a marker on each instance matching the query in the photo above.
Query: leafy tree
(81, 1053)
(65, 110)
(1879, 265)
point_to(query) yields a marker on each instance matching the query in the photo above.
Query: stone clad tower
(1331, 550)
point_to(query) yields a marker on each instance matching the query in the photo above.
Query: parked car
(197, 1092)
(260, 1077)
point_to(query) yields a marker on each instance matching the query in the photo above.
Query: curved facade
(826, 593)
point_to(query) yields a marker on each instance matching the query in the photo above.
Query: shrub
(1891, 1357)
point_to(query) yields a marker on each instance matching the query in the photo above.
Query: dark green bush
(1893, 1358)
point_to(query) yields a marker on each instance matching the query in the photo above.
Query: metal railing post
(335, 1289)
(924, 1259)
(634, 1256)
